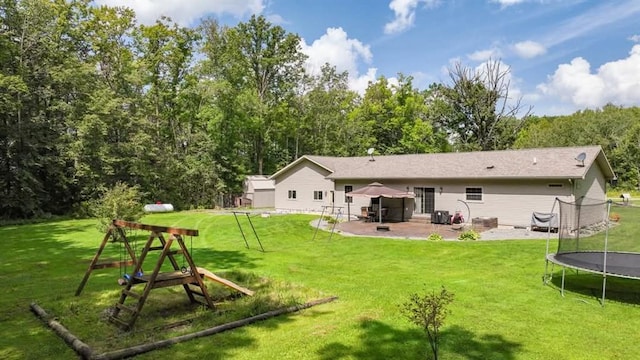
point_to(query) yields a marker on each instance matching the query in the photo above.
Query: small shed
(258, 192)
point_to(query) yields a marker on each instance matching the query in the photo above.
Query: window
(348, 189)
(474, 194)
(317, 195)
(292, 194)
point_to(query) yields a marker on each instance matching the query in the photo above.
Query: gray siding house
(509, 185)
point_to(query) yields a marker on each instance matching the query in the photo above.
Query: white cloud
(359, 84)
(635, 38)
(616, 82)
(405, 13)
(276, 19)
(505, 3)
(529, 49)
(337, 49)
(484, 55)
(606, 13)
(186, 12)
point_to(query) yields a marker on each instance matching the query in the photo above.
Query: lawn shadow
(456, 339)
(620, 290)
(381, 341)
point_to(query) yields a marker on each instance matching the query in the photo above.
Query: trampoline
(584, 244)
(618, 264)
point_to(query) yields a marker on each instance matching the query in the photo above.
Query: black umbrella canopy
(376, 189)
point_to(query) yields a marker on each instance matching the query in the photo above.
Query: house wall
(263, 198)
(511, 201)
(593, 186)
(305, 178)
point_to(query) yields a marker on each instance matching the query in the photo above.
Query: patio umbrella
(377, 190)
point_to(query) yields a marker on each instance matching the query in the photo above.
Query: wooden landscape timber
(86, 352)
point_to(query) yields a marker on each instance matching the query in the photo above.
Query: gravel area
(515, 233)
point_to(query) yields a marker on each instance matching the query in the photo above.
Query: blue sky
(563, 55)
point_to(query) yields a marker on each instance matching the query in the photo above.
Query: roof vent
(581, 158)
(535, 161)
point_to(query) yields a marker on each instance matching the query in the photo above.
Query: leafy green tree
(170, 105)
(43, 84)
(320, 124)
(396, 118)
(121, 202)
(260, 65)
(109, 136)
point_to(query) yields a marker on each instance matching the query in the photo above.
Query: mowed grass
(501, 308)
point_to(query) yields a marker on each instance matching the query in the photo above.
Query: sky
(562, 55)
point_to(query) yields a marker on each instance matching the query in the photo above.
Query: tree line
(89, 99)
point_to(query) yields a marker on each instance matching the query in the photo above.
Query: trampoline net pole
(606, 249)
(546, 255)
(604, 287)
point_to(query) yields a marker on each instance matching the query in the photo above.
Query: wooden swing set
(130, 304)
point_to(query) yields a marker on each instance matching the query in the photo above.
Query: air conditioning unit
(440, 217)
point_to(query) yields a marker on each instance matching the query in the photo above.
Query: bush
(469, 235)
(435, 237)
(120, 202)
(428, 312)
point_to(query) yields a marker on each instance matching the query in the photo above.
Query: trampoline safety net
(582, 226)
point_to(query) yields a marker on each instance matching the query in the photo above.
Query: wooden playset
(132, 300)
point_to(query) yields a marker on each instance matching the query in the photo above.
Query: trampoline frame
(551, 257)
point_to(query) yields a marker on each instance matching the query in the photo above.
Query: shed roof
(542, 163)
(260, 182)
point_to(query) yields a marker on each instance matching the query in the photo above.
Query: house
(508, 185)
(258, 192)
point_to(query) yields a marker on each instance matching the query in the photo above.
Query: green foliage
(469, 235)
(395, 118)
(88, 99)
(435, 237)
(428, 311)
(120, 202)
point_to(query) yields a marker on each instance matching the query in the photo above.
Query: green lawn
(501, 309)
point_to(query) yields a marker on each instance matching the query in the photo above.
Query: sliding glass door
(425, 200)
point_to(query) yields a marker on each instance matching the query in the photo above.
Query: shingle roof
(547, 163)
(260, 182)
